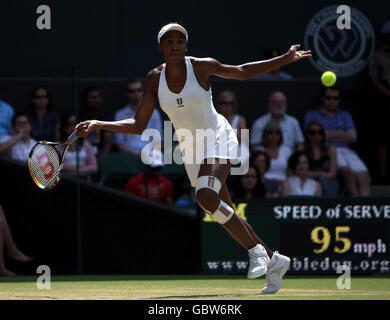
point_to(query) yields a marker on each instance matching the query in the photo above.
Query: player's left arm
(253, 69)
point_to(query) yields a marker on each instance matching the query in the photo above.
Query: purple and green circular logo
(344, 51)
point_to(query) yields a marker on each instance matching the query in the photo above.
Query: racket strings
(45, 165)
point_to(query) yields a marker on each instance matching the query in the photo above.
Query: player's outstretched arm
(253, 69)
(134, 125)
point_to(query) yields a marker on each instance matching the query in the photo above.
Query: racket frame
(72, 138)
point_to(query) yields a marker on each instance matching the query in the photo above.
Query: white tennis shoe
(277, 268)
(258, 261)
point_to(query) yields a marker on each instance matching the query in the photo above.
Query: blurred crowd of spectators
(317, 160)
(284, 158)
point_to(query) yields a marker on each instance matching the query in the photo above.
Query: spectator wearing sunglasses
(277, 106)
(227, 106)
(340, 132)
(272, 144)
(249, 185)
(322, 159)
(45, 123)
(132, 143)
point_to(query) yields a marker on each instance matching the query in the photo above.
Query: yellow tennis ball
(328, 78)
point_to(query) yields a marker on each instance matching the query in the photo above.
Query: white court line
(324, 295)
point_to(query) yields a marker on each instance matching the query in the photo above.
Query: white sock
(272, 260)
(256, 248)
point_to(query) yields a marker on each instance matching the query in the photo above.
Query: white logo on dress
(180, 102)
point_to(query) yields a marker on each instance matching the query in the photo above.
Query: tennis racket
(46, 159)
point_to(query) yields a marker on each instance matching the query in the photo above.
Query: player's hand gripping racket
(45, 161)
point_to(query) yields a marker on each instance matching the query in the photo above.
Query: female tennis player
(182, 85)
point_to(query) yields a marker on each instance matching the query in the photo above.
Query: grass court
(191, 287)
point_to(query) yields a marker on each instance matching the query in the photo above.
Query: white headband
(170, 27)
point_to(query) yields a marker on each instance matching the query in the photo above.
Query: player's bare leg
(278, 264)
(212, 175)
(225, 196)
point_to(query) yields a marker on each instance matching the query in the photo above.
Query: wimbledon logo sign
(344, 51)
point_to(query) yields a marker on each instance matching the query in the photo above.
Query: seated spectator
(81, 148)
(132, 142)
(101, 140)
(299, 183)
(151, 184)
(379, 74)
(340, 132)
(322, 159)
(6, 114)
(19, 143)
(6, 241)
(186, 199)
(262, 162)
(275, 74)
(248, 186)
(292, 133)
(272, 144)
(227, 106)
(45, 123)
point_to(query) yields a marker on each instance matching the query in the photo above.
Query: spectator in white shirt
(299, 184)
(81, 149)
(227, 106)
(18, 144)
(131, 142)
(277, 106)
(272, 144)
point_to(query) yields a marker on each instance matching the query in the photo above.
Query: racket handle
(73, 137)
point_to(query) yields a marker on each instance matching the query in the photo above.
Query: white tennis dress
(193, 114)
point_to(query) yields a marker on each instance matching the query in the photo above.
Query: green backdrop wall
(118, 38)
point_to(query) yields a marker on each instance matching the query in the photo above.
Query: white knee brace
(209, 182)
(223, 214)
